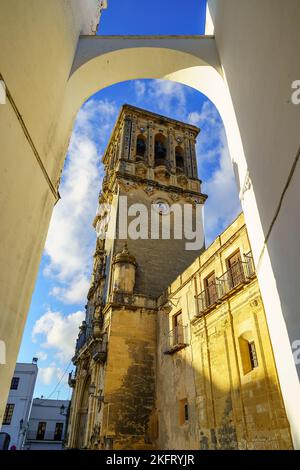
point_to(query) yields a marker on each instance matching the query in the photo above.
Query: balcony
(240, 273)
(177, 339)
(235, 277)
(208, 298)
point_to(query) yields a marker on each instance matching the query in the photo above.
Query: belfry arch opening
(141, 147)
(160, 149)
(179, 159)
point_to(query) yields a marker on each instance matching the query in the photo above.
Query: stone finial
(124, 256)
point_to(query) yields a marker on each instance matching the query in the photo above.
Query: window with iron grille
(14, 383)
(8, 414)
(252, 354)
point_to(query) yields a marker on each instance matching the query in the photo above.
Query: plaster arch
(95, 68)
(192, 62)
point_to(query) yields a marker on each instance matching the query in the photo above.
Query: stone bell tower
(151, 161)
(150, 177)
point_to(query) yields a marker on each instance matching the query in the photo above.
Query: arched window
(140, 146)
(160, 149)
(179, 159)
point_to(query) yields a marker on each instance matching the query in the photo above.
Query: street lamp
(62, 410)
(92, 393)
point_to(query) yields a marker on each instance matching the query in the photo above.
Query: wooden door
(178, 329)
(210, 289)
(236, 269)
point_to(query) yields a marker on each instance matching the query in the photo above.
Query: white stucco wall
(38, 41)
(257, 46)
(22, 399)
(48, 411)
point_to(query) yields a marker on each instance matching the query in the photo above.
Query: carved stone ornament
(149, 190)
(141, 170)
(127, 185)
(174, 196)
(182, 181)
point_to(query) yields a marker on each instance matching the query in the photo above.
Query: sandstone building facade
(174, 351)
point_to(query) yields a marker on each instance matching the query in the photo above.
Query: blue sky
(59, 298)
(153, 17)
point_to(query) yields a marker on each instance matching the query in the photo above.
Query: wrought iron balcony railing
(177, 339)
(237, 275)
(250, 268)
(208, 297)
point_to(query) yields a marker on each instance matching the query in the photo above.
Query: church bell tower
(150, 192)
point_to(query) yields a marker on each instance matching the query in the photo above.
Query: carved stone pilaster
(133, 136)
(171, 137)
(192, 142)
(127, 137)
(187, 157)
(150, 146)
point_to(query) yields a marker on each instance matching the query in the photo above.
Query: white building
(47, 424)
(19, 402)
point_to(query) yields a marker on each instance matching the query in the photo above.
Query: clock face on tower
(162, 207)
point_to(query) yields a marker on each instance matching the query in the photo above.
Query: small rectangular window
(252, 354)
(186, 412)
(14, 383)
(183, 411)
(8, 414)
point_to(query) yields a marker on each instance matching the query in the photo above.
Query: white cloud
(47, 375)
(71, 238)
(223, 204)
(140, 88)
(169, 97)
(41, 355)
(208, 116)
(59, 332)
(75, 292)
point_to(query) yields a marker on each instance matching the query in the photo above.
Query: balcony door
(235, 266)
(178, 329)
(210, 289)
